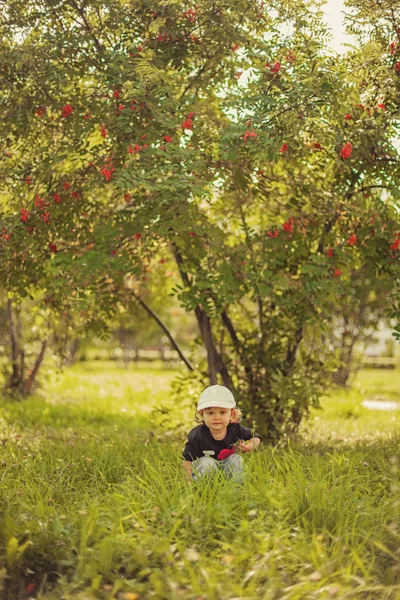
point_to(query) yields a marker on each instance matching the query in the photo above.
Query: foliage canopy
(227, 137)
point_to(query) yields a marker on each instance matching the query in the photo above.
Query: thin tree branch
(87, 26)
(370, 187)
(196, 77)
(174, 343)
(60, 22)
(328, 226)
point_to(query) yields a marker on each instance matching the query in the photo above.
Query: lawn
(94, 504)
(344, 419)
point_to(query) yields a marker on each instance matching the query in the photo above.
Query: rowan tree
(259, 160)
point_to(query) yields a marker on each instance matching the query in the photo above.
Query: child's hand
(243, 446)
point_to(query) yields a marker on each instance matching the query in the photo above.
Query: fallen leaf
(333, 590)
(192, 555)
(227, 558)
(128, 596)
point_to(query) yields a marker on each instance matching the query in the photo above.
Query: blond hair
(235, 418)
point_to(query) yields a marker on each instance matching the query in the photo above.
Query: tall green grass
(94, 503)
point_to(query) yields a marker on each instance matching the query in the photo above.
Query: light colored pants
(232, 466)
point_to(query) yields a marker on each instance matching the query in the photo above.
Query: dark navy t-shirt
(200, 442)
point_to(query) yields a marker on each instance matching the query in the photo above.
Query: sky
(334, 18)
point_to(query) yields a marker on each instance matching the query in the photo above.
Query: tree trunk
(215, 363)
(205, 332)
(238, 347)
(33, 374)
(15, 380)
(72, 352)
(292, 351)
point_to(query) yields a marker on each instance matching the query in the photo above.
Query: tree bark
(205, 332)
(31, 379)
(15, 379)
(291, 352)
(73, 351)
(238, 347)
(215, 363)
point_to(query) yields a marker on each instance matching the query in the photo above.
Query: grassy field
(343, 418)
(94, 504)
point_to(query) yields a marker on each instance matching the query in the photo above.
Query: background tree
(30, 331)
(356, 318)
(377, 28)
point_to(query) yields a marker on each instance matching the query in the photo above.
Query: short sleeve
(245, 433)
(192, 447)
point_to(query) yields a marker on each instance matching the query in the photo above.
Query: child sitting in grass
(216, 441)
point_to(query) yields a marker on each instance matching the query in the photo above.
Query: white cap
(216, 395)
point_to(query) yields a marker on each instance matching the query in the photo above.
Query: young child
(209, 445)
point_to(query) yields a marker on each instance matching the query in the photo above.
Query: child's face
(217, 418)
